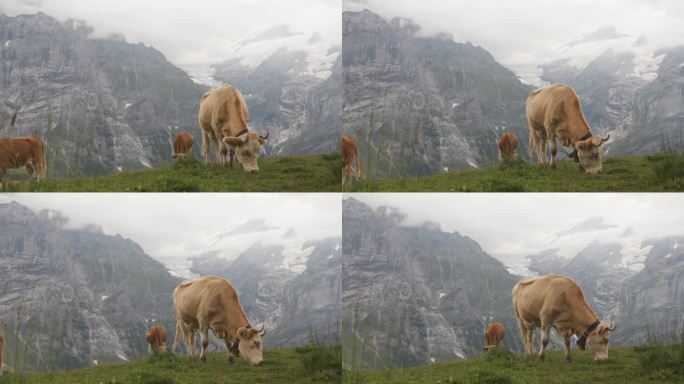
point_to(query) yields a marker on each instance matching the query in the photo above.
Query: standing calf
(182, 145)
(350, 154)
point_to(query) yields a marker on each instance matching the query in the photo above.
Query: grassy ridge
(659, 173)
(277, 174)
(647, 364)
(310, 364)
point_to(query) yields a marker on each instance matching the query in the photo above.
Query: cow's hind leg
(204, 337)
(545, 330)
(176, 338)
(206, 144)
(30, 167)
(554, 151)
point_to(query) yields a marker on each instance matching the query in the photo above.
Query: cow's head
(249, 346)
(590, 154)
(598, 340)
(247, 148)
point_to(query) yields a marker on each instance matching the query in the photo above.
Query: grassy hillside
(277, 174)
(310, 364)
(648, 364)
(662, 172)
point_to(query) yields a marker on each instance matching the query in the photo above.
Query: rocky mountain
(297, 297)
(646, 301)
(75, 297)
(295, 93)
(424, 105)
(634, 96)
(416, 295)
(100, 105)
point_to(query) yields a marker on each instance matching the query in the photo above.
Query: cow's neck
(584, 320)
(236, 324)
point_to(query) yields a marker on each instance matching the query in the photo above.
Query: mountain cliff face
(416, 295)
(295, 304)
(420, 105)
(300, 110)
(72, 298)
(645, 303)
(98, 104)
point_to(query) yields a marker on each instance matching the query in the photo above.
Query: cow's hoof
(568, 359)
(203, 359)
(231, 360)
(541, 358)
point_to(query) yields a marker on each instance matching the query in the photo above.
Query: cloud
(511, 227)
(193, 34)
(173, 227)
(526, 33)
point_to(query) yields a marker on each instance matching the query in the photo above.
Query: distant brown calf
(182, 145)
(2, 341)
(156, 337)
(24, 152)
(493, 336)
(349, 154)
(508, 147)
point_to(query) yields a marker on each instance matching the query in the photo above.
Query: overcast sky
(173, 227)
(525, 33)
(193, 34)
(511, 226)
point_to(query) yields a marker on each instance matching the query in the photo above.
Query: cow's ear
(262, 141)
(235, 141)
(243, 333)
(583, 145)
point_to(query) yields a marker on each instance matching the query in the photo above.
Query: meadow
(643, 364)
(320, 173)
(307, 364)
(663, 172)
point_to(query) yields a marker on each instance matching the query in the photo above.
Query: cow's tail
(358, 163)
(40, 161)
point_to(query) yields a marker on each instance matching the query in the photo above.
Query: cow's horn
(604, 140)
(611, 327)
(261, 329)
(264, 137)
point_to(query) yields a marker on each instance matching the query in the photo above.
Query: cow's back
(554, 103)
(194, 299)
(533, 295)
(224, 104)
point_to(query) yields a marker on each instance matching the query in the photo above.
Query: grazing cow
(156, 337)
(350, 154)
(2, 342)
(24, 152)
(557, 301)
(223, 117)
(508, 147)
(555, 111)
(211, 302)
(493, 336)
(182, 145)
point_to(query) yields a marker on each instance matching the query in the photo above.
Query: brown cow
(211, 302)
(223, 117)
(508, 147)
(557, 301)
(555, 111)
(350, 154)
(182, 145)
(493, 336)
(156, 337)
(2, 342)
(27, 152)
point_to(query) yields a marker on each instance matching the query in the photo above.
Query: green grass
(277, 174)
(279, 366)
(646, 364)
(659, 173)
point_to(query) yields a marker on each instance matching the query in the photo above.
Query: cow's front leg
(204, 337)
(545, 329)
(568, 358)
(232, 156)
(554, 151)
(29, 170)
(232, 351)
